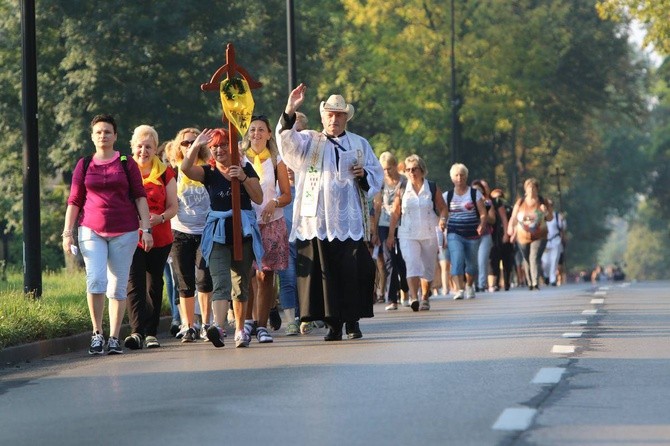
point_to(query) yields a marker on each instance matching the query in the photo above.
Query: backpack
(473, 197)
(432, 186)
(124, 163)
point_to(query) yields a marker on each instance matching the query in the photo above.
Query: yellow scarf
(185, 181)
(157, 169)
(258, 159)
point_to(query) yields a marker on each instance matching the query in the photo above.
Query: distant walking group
(318, 210)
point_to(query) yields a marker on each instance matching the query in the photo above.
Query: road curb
(59, 346)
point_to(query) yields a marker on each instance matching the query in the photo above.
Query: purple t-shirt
(102, 196)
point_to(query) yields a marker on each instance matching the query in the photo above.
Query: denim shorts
(463, 254)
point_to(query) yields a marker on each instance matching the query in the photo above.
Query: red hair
(219, 137)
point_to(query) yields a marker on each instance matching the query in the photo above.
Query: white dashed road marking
(548, 375)
(600, 293)
(580, 322)
(515, 419)
(577, 334)
(563, 349)
(590, 312)
(597, 301)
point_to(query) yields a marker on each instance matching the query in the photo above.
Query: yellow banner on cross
(237, 103)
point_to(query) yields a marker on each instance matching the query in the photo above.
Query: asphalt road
(574, 365)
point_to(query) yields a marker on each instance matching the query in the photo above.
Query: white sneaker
(458, 295)
(469, 292)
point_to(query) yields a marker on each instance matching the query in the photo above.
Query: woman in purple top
(106, 197)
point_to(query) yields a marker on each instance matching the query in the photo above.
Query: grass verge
(61, 311)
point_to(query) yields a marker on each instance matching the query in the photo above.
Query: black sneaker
(189, 336)
(215, 335)
(113, 346)
(97, 342)
(174, 329)
(274, 318)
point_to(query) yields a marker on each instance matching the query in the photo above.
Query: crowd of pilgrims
(328, 230)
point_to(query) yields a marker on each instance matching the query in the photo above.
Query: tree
(652, 14)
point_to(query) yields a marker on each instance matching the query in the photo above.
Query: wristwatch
(147, 230)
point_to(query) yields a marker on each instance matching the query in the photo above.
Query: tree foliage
(652, 14)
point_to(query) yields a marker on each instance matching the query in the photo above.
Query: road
(573, 365)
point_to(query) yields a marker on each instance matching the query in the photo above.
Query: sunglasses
(412, 169)
(186, 143)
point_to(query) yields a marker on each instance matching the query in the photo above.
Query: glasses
(220, 146)
(412, 169)
(186, 143)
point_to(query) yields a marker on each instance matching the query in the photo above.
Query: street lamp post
(290, 37)
(454, 99)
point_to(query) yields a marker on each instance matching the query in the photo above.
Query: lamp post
(290, 47)
(32, 266)
(455, 103)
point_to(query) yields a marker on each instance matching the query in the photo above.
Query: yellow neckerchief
(157, 169)
(258, 159)
(185, 181)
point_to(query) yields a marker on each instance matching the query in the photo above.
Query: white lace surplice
(338, 213)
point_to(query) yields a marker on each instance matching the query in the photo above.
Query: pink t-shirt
(102, 196)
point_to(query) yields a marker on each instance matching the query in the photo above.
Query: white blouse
(418, 217)
(339, 214)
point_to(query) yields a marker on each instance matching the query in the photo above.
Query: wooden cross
(230, 69)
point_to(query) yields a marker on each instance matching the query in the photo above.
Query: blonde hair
(416, 159)
(387, 157)
(143, 131)
(204, 154)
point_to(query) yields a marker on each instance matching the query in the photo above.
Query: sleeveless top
(418, 217)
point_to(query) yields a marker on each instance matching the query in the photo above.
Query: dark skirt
(336, 280)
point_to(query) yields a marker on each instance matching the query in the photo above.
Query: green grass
(61, 311)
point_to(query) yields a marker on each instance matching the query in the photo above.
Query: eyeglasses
(220, 146)
(186, 143)
(412, 169)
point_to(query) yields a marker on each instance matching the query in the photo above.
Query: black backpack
(473, 197)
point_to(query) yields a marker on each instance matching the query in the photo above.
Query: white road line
(597, 301)
(579, 322)
(515, 419)
(576, 334)
(600, 293)
(563, 349)
(604, 288)
(548, 375)
(590, 312)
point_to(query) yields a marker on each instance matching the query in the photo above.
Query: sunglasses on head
(260, 118)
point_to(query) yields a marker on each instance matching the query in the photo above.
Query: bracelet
(276, 202)
(67, 233)
(162, 218)
(245, 179)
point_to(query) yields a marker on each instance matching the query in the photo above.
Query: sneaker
(203, 332)
(319, 324)
(274, 319)
(404, 302)
(133, 342)
(189, 336)
(175, 328)
(392, 306)
(113, 346)
(215, 335)
(263, 336)
(152, 342)
(458, 295)
(469, 292)
(97, 342)
(415, 305)
(306, 327)
(292, 329)
(242, 339)
(425, 305)
(182, 331)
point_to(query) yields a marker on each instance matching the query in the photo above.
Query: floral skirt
(275, 243)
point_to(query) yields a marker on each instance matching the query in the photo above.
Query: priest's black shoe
(333, 334)
(353, 330)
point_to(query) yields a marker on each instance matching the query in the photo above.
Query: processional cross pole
(231, 69)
